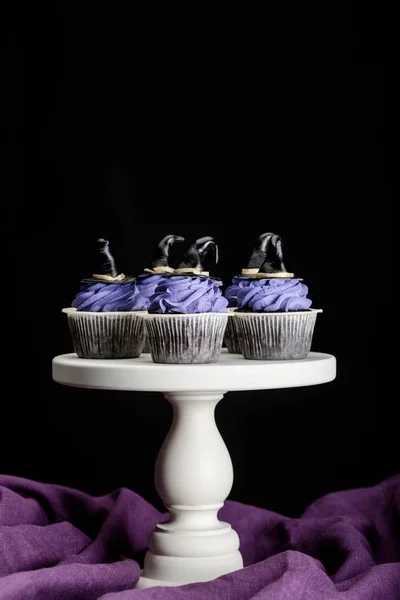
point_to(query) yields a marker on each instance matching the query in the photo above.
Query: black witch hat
(194, 256)
(267, 258)
(108, 270)
(159, 262)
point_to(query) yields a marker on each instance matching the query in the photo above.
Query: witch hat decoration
(159, 263)
(108, 267)
(195, 255)
(258, 255)
(273, 265)
(267, 258)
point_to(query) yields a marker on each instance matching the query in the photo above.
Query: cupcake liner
(146, 346)
(185, 339)
(276, 336)
(106, 335)
(232, 335)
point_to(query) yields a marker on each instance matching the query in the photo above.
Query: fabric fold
(57, 543)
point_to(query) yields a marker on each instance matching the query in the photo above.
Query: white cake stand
(193, 472)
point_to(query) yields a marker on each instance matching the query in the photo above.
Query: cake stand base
(183, 570)
(146, 582)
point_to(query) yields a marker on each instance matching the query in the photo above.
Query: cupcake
(147, 282)
(273, 317)
(188, 314)
(101, 318)
(258, 256)
(231, 337)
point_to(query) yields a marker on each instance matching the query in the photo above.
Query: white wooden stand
(193, 473)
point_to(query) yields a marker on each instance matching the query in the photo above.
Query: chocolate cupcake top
(190, 289)
(160, 268)
(265, 285)
(266, 261)
(107, 291)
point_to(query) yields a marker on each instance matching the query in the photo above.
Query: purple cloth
(61, 544)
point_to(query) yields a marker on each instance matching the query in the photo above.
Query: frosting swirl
(146, 285)
(274, 295)
(187, 295)
(106, 297)
(232, 291)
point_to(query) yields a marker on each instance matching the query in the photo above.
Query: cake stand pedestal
(193, 472)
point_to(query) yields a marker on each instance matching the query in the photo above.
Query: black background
(133, 126)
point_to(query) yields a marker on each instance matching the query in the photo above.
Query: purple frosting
(146, 285)
(274, 295)
(106, 297)
(231, 292)
(188, 295)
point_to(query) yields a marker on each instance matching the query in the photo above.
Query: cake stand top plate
(232, 372)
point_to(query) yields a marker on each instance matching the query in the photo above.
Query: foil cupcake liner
(106, 335)
(185, 339)
(276, 336)
(146, 346)
(232, 335)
